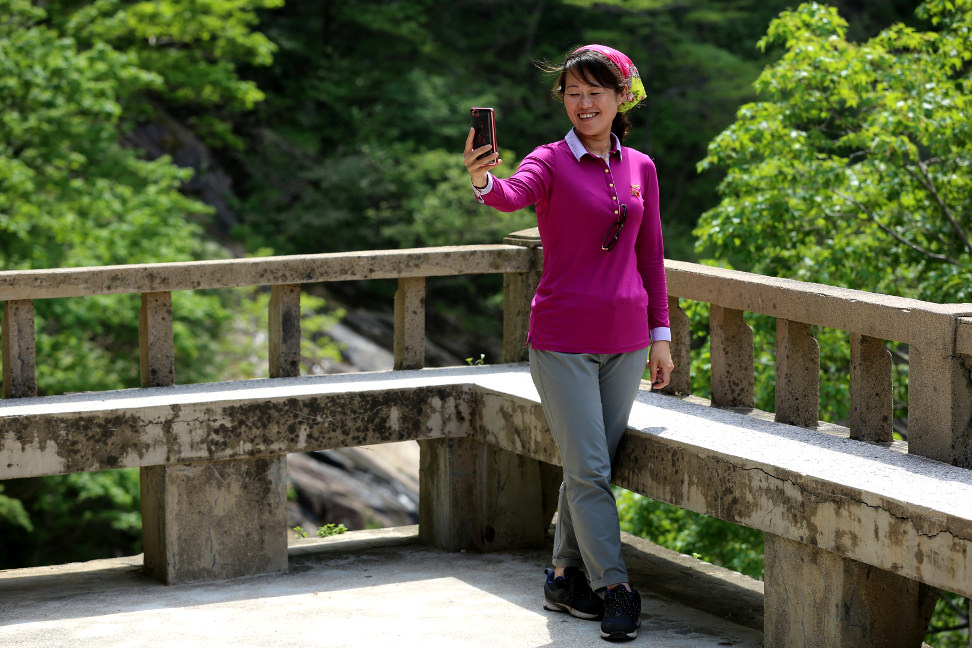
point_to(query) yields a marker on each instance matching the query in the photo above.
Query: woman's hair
(596, 69)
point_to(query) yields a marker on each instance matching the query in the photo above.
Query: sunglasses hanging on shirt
(615, 231)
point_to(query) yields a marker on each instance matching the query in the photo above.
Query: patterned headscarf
(634, 88)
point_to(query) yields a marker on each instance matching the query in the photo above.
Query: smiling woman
(601, 304)
(594, 93)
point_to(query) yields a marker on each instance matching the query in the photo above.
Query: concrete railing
(183, 536)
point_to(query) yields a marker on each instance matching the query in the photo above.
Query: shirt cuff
(485, 190)
(661, 334)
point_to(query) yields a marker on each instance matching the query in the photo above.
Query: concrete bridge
(861, 531)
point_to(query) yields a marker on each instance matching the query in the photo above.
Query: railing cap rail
(263, 271)
(873, 314)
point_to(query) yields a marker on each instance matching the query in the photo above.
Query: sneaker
(571, 593)
(622, 614)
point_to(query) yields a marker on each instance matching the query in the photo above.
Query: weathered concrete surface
(220, 519)
(263, 271)
(906, 514)
(886, 317)
(366, 589)
(902, 513)
(212, 422)
(816, 599)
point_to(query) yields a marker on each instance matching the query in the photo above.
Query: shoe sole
(621, 635)
(562, 607)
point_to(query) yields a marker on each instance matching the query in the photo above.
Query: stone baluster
(797, 374)
(518, 291)
(871, 390)
(939, 391)
(733, 370)
(19, 349)
(284, 331)
(409, 342)
(681, 379)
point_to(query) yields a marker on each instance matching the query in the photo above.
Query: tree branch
(890, 232)
(929, 184)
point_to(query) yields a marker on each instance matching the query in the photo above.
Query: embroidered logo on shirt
(636, 191)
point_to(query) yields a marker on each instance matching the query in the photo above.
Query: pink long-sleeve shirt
(590, 300)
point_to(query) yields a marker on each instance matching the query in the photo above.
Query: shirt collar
(574, 143)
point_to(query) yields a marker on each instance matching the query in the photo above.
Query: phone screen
(484, 123)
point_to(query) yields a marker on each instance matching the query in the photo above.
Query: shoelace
(572, 584)
(620, 602)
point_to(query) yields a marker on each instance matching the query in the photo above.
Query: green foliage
(193, 48)
(707, 538)
(70, 518)
(949, 627)
(13, 515)
(349, 155)
(853, 168)
(74, 78)
(71, 194)
(325, 531)
(330, 529)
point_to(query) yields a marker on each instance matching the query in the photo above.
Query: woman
(601, 303)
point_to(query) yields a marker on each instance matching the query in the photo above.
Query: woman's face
(591, 108)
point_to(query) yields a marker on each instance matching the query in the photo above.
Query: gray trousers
(587, 398)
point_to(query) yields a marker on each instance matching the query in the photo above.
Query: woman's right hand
(476, 166)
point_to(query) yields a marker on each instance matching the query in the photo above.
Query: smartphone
(484, 122)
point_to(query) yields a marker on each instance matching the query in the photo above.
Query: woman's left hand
(660, 364)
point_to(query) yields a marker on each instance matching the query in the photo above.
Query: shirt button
(614, 197)
(610, 184)
(607, 171)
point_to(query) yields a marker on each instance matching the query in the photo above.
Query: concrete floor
(369, 588)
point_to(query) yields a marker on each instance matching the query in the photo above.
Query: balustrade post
(681, 379)
(733, 363)
(409, 342)
(19, 349)
(518, 291)
(284, 331)
(871, 390)
(817, 599)
(155, 344)
(476, 496)
(205, 520)
(797, 374)
(939, 392)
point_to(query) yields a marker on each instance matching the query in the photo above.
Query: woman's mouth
(590, 115)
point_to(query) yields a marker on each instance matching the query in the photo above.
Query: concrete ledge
(901, 513)
(232, 420)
